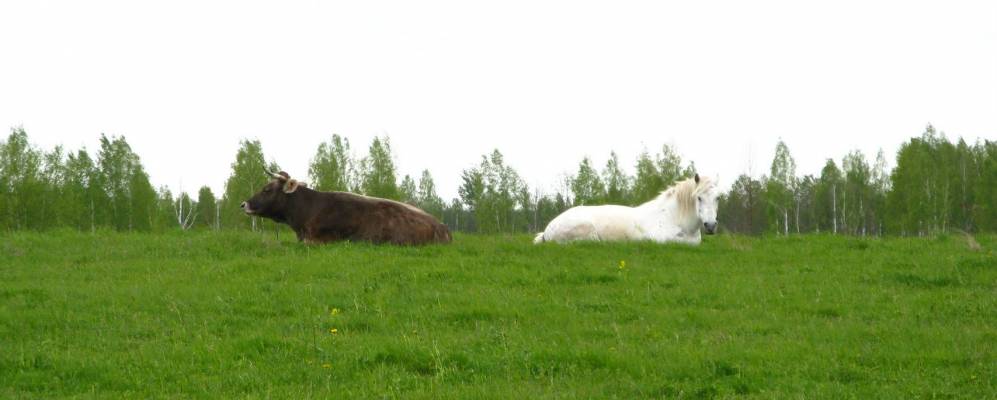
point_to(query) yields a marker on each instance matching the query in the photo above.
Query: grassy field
(209, 315)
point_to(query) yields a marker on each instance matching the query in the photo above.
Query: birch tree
(247, 177)
(827, 197)
(780, 186)
(616, 181)
(184, 210)
(407, 190)
(332, 166)
(378, 172)
(647, 183)
(586, 186)
(426, 196)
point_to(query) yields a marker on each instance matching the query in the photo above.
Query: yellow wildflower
(623, 264)
(334, 312)
(333, 331)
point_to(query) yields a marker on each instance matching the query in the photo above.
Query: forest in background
(935, 186)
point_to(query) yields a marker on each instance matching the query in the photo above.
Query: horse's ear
(697, 178)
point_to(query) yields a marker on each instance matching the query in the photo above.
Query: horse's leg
(582, 231)
(689, 238)
(666, 234)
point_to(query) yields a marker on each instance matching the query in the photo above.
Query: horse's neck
(666, 211)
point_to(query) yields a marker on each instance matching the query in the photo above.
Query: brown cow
(320, 217)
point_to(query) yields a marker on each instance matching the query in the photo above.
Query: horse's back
(608, 222)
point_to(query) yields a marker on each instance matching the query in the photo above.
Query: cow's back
(388, 221)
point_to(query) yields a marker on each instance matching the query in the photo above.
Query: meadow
(249, 315)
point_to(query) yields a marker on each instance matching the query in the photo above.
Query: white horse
(676, 215)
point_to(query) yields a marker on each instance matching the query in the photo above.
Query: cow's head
(272, 200)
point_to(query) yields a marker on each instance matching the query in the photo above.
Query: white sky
(545, 82)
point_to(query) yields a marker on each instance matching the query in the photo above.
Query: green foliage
(456, 216)
(856, 204)
(130, 195)
(546, 209)
(165, 217)
(143, 199)
(182, 212)
(937, 186)
(426, 197)
(966, 172)
(494, 192)
(985, 210)
(805, 207)
(669, 166)
(236, 314)
(587, 186)
(378, 173)
(743, 208)
(648, 182)
(407, 190)
(616, 181)
(654, 175)
(248, 177)
(331, 169)
(20, 166)
(86, 197)
(207, 206)
(780, 189)
(53, 204)
(880, 186)
(827, 197)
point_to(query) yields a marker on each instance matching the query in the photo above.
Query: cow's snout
(711, 227)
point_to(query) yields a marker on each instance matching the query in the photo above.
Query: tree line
(935, 186)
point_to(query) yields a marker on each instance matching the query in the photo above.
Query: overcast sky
(546, 82)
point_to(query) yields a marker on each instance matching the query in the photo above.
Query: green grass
(206, 315)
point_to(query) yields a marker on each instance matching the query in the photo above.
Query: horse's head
(706, 203)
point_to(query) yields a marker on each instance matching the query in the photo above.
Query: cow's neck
(295, 215)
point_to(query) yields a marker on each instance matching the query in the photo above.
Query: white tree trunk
(185, 218)
(797, 215)
(862, 216)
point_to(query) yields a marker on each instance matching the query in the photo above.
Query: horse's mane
(685, 193)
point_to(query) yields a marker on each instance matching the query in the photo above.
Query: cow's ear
(291, 185)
